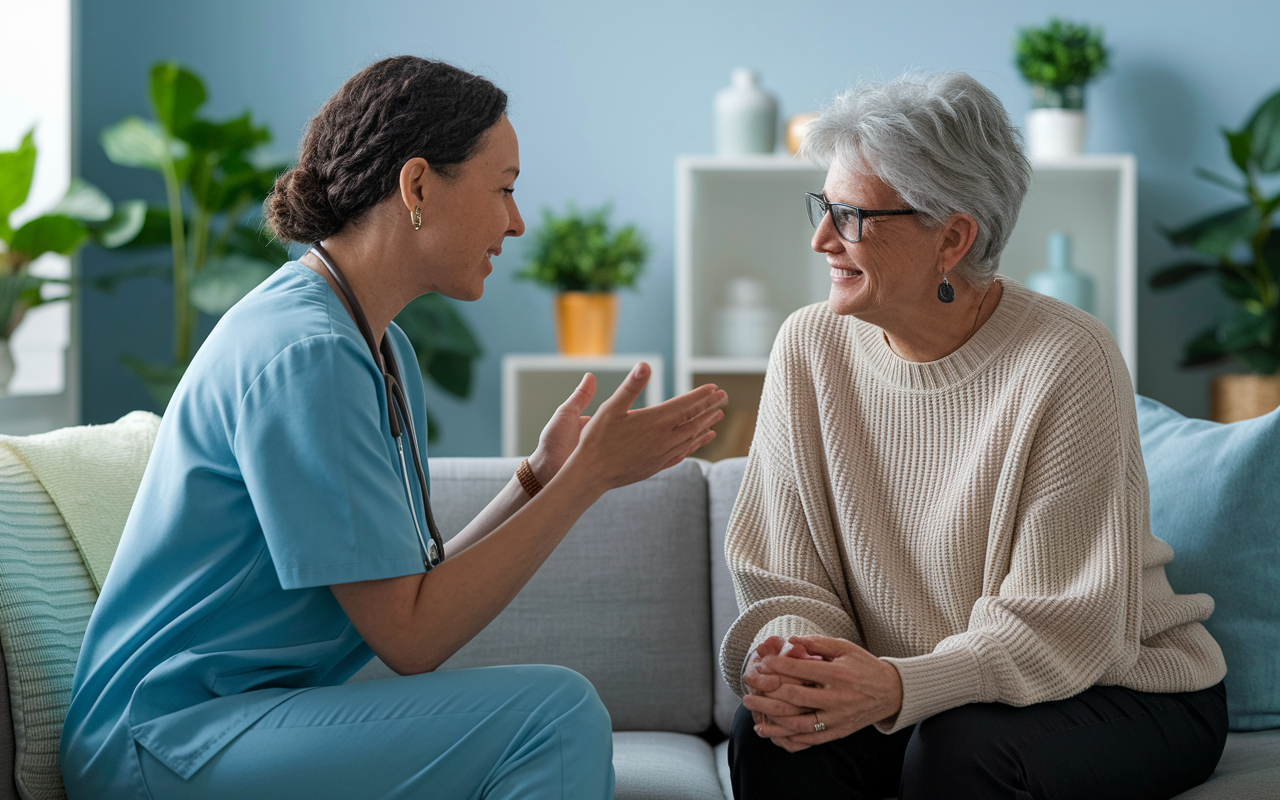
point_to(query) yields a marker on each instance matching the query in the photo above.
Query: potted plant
(216, 177)
(579, 256)
(1240, 247)
(1058, 60)
(83, 214)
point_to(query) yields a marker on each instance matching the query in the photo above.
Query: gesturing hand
(846, 687)
(618, 445)
(560, 436)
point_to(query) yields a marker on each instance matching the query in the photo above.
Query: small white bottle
(746, 327)
(746, 116)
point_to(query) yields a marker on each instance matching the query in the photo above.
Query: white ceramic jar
(746, 116)
(747, 325)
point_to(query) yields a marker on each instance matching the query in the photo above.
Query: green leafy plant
(577, 252)
(1242, 248)
(1058, 60)
(82, 215)
(216, 176)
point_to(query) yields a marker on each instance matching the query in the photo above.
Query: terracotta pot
(586, 322)
(1237, 397)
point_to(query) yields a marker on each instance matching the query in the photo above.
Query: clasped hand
(788, 683)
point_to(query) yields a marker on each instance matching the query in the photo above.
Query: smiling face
(466, 218)
(893, 272)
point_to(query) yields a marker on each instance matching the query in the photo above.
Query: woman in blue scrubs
(275, 546)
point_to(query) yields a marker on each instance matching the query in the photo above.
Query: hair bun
(298, 208)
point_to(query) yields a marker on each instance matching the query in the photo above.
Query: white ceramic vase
(746, 327)
(746, 116)
(1055, 133)
(6, 367)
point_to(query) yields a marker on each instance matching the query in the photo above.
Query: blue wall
(604, 96)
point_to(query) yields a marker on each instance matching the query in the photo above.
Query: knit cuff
(933, 683)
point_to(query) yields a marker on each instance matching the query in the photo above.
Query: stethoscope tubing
(397, 412)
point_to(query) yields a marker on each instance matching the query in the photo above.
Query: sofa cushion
(1249, 770)
(724, 478)
(624, 599)
(664, 766)
(46, 596)
(1214, 499)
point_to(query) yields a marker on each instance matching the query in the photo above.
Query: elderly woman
(947, 580)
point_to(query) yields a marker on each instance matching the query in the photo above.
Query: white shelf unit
(744, 217)
(535, 384)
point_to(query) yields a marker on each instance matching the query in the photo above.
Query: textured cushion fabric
(91, 473)
(723, 480)
(623, 599)
(1215, 498)
(722, 768)
(8, 790)
(46, 596)
(1249, 770)
(664, 766)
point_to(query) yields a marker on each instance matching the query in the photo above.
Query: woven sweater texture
(980, 521)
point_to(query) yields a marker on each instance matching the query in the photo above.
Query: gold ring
(818, 725)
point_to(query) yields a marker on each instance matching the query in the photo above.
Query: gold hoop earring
(417, 217)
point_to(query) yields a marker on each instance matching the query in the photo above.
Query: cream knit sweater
(980, 521)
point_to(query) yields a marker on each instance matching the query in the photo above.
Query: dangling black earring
(946, 292)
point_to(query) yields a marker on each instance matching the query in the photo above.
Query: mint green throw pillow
(1215, 498)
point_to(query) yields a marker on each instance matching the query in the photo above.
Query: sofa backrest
(723, 481)
(625, 599)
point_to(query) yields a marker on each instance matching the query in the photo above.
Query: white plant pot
(1054, 133)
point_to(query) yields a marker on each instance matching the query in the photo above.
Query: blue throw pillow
(1215, 498)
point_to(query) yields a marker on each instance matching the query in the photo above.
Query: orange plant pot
(586, 322)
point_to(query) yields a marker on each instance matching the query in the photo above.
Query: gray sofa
(637, 599)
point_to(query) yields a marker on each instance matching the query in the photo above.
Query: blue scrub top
(274, 475)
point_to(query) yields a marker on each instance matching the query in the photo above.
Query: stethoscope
(397, 413)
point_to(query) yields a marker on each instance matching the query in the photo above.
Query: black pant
(1106, 742)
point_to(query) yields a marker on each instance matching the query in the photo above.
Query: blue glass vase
(1060, 281)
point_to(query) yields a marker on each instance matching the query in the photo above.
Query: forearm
(511, 499)
(462, 595)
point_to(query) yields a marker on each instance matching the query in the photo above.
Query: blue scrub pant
(498, 732)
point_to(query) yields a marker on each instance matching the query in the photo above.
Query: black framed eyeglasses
(847, 218)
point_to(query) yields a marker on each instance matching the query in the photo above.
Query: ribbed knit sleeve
(782, 572)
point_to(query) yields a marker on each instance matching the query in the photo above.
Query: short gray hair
(943, 142)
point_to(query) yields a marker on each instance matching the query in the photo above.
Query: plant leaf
(84, 202)
(135, 142)
(1264, 130)
(254, 242)
(1261, 360)
(51, 233)
(1239, 147)
(224, 281)
(154, 232)
(451, 372)
(1224, 182)
(16, 169)
(1205, 348)
(1215, 236)
(1179, 273)
(125, 225)
(161, 380)
(176, 94)
(1246, 329)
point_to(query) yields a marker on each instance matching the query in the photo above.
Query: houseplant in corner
(1240, 247)
(578, 255)
(83, 214)
(1058, 60)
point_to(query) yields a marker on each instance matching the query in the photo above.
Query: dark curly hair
(394, 110)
